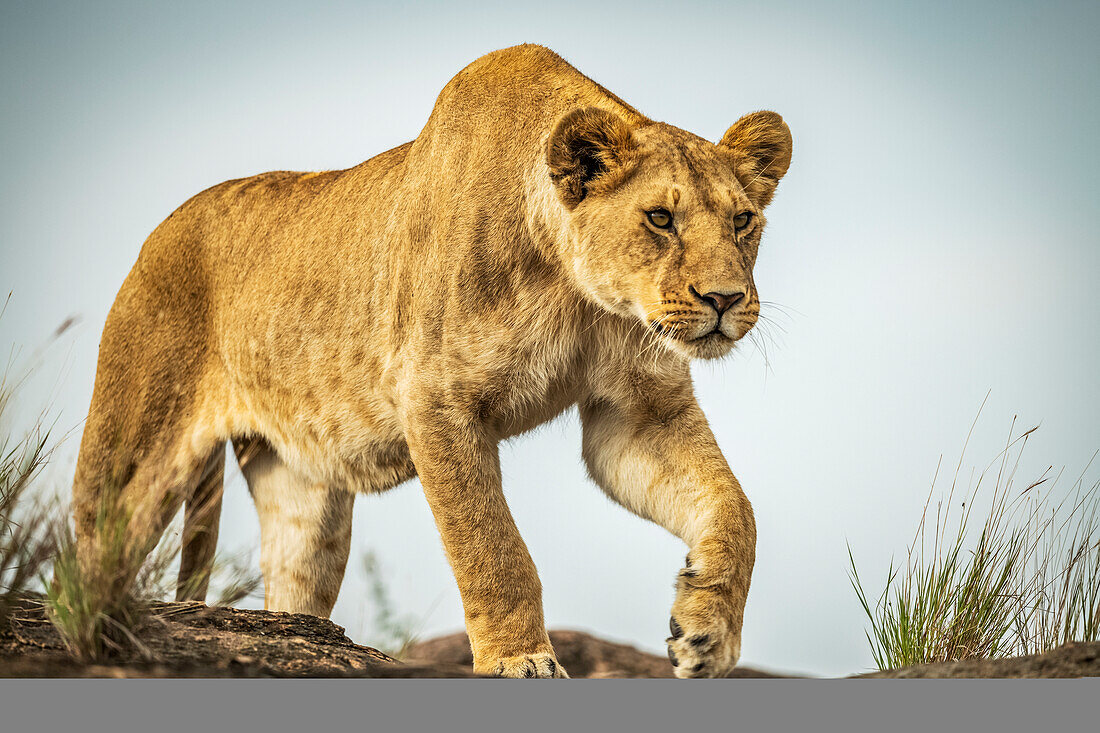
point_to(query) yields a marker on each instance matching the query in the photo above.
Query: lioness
(540, 244)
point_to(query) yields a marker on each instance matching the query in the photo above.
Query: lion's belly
(357, 460)
(321, 432)
(351, 454)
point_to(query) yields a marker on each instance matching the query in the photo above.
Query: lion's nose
(721, 302)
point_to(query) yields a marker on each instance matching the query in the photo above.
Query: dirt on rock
(195, 640)
(1077, 659)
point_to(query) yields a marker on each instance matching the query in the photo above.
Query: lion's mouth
(714, 334)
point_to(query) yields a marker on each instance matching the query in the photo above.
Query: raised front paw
(706, 630)
(543, 666)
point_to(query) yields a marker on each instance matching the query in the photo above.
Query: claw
(675, 628)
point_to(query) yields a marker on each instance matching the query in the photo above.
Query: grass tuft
(95, 619)
(1024, 579)
(84, 604)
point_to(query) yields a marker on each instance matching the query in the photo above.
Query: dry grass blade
(27, 521)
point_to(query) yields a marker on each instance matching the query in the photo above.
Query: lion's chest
(512, 381)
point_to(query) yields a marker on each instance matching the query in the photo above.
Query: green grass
(1021, 577)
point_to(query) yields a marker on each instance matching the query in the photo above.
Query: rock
(582, 655)
(194, 640)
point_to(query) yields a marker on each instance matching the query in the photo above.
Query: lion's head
(665, 226)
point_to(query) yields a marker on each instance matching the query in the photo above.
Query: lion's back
(286, 255)
(491, 118)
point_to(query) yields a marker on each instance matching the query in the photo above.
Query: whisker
(767, 338)
(772, 324)
(762, 351)
(784, 310)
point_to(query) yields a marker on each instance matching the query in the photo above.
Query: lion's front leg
(501, 591)
(705, 623)
(663, 464)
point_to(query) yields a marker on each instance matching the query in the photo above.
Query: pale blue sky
(934, 239)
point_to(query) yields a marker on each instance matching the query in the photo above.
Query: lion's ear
(761, 144)
(587, 146)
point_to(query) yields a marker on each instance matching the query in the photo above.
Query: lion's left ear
(586, 150)
(761, 144)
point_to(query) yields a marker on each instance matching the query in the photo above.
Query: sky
(933, 242)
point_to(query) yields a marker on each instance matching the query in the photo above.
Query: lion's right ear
(761, 143)
(587, 147)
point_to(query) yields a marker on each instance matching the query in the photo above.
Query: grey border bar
(27, 706)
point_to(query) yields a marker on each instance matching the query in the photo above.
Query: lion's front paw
(529, 665)
(706, 631)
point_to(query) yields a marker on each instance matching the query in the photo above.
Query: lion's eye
(742, 220)
(660, 218)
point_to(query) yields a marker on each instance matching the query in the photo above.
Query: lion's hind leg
(305, 532)
(201, 518)
(152, 432)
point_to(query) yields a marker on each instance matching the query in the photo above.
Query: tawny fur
(357, 328)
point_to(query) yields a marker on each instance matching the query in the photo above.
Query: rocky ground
(193, 640)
